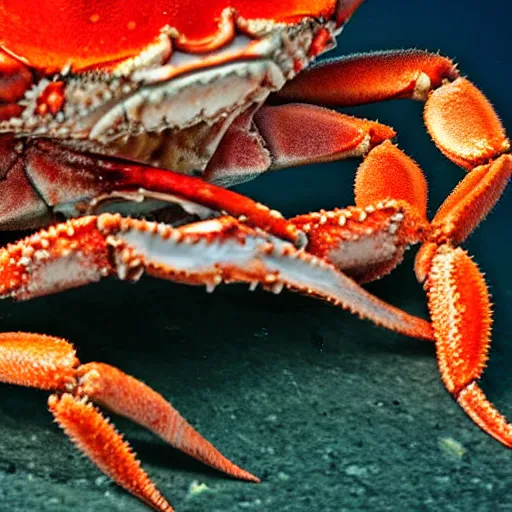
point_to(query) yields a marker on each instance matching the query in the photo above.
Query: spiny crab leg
(84, 250)
(208, 252)
(367, 247)
(50, 363)
(465, 127)
(458, 116)
(458, 297)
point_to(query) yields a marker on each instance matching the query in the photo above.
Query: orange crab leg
(50, 363)
(276, 137)
(466, 129)
(458, 116)
(462, 211)
(387, 172)
(129, 397)
(366, 78)
(207, 253)
(461, 316)
(458, 298)
(369, 240)
(45, 176)
(86, 249)
(367, 243)
(91, 432)
(326, 136)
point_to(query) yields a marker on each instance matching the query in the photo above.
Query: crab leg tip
(474, 402)
(129, 397)
(97, 438)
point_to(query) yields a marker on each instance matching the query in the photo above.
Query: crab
(152, 114)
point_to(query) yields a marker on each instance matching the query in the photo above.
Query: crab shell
(160, 85)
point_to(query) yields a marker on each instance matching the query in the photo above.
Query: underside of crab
(89, 138)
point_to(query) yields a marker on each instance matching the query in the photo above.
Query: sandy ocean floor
(331, 412)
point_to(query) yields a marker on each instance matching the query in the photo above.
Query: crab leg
(458, 297)
(466, 129)
(457, 115)
(277, 137)
(209, 252)
(43, 177)
(369, 77)
(365, 243)
(50, 363)
(83, 250)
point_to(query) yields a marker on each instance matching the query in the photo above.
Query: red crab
(125, 103)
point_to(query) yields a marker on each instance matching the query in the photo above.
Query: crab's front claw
(458, 297)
